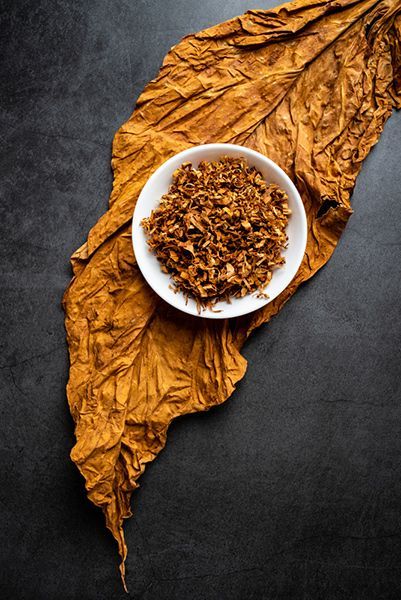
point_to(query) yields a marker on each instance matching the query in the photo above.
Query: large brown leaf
(308, 84)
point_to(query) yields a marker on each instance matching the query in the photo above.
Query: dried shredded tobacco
(309, 84)
(220, 230)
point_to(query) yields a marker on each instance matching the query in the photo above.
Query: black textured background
(292, 489)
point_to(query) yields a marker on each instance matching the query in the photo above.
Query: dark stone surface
(292, 489)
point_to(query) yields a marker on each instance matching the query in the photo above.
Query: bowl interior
(158, 184)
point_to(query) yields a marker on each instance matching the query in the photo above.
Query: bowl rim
(183, 156)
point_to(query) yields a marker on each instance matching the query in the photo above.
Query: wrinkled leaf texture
(309, 84)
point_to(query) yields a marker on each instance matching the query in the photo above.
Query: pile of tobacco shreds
(219, 231)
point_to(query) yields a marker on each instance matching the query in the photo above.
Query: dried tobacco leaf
(220, 230)
(310, 85)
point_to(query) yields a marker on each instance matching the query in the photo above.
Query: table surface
(292, 489)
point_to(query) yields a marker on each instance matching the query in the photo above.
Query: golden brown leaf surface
(308, 84)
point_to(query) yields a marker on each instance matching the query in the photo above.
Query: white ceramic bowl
(158, 184)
